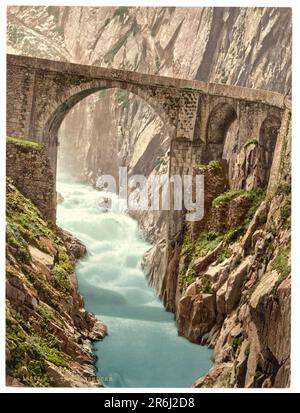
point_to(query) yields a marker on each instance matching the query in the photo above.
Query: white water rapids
(142, 348)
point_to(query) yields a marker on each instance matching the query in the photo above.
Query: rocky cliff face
(49, 333)
(233, 284)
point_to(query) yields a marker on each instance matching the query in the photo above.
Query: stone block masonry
(29, 167)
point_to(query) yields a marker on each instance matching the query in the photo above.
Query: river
(142, 348)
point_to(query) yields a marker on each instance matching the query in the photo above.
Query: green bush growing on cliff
(281, 264)
(186, 277)
(30, 344)
(237, 342)
(213, 165)
(228, 196)
(206, 242)
(285, 212)
(250, 142)
(253, 195)
(205, 287)
(193, 249)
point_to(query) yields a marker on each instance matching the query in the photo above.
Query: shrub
(281, 265)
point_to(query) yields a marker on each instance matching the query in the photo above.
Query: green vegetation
(24, 143)
(285, 212)
(256, 197)
(250, 142)
(24, 226)
(281, 265)
(233, 234)
(214, 165)
(236, 342)
(122, 97)
(205, 287)
(284, 189)
(30, 351)
(186, 277)
(61, 271)
(226, 197)
(30, 343)
(223, 254)
(120, 11)
(206, 242)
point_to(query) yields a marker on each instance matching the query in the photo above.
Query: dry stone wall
(30, 170)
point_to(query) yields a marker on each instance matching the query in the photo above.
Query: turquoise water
(142, 348)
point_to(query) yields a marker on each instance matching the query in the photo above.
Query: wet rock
(74, 246)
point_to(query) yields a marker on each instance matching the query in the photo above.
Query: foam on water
(142, 348)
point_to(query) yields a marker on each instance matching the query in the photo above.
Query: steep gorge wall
(48, 330)
(231, 283)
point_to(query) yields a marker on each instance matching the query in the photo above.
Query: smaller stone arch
(219, 121)
(267, 142)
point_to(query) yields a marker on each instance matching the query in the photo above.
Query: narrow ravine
(142, 348)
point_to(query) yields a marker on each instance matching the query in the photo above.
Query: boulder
(201, 263)
(74, 246)
(218, 376)
(41, 257)
(235, 282)
(196, 315)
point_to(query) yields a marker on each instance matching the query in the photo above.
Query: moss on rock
(24, 143)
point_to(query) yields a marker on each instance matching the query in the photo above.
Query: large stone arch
(70, 96)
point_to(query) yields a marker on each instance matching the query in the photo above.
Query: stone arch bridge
(40, 93)
(197, 116)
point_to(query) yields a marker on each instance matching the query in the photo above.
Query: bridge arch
(70, 96)
(219, 121)
(267, 141)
